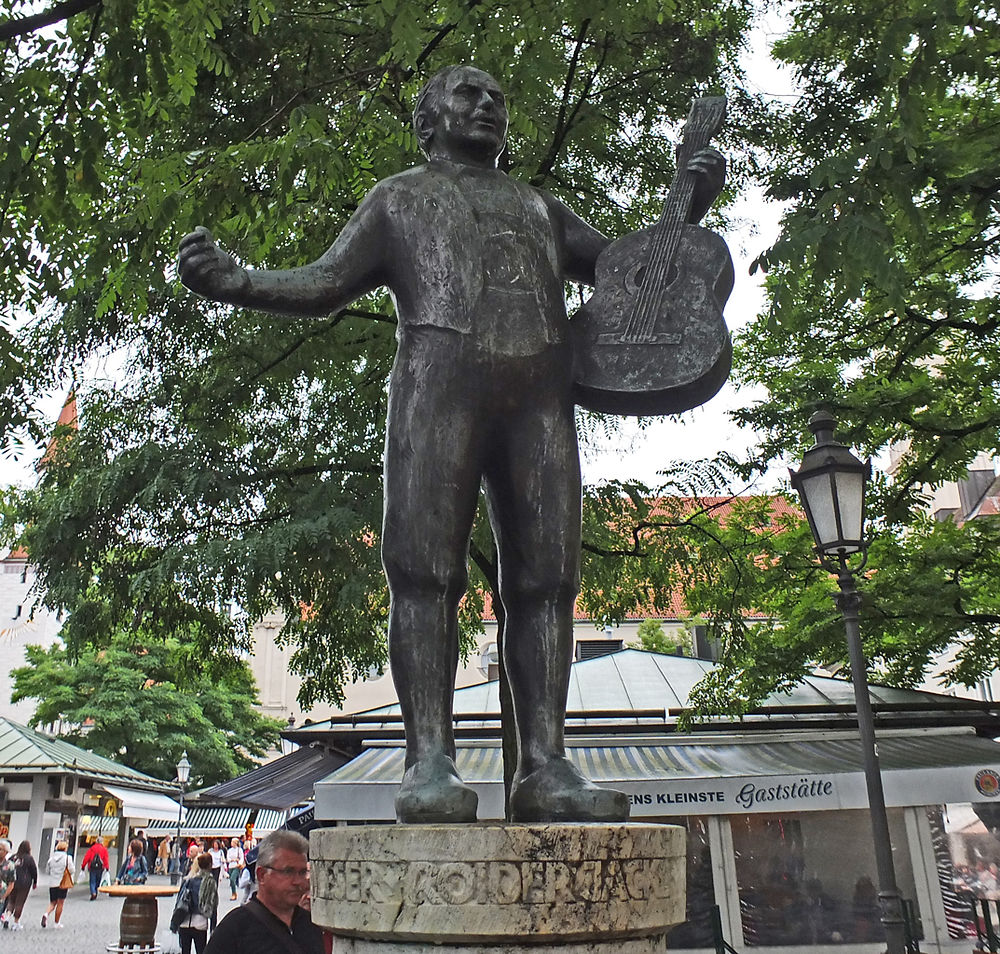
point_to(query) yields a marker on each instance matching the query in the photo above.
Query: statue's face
(472, 119)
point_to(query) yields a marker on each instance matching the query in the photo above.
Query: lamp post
(831, 484)
(183, 774)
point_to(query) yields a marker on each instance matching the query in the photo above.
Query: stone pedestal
(480, 889)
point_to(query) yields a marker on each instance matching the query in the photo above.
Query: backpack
(96, 865)
(187, 903)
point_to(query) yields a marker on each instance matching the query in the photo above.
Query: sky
(640, 453)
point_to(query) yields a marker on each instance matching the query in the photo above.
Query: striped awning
(99, 826)
(204, 822)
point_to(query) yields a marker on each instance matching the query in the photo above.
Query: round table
(137, 927)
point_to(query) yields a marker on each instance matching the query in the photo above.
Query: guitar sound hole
(637, 275)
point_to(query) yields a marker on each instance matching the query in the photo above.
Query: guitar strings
(663, 248)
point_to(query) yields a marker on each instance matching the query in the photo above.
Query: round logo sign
(988, 783)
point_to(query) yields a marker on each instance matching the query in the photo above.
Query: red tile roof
(718, 507)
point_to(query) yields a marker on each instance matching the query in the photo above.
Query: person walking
(163, 855)
(6, 878)
(61, 870)
(95, 863)
(25, 881)
(247, 886)
(218, 858)
(193, 850)
(234, 862)
(273, 920)
(197, 903)
(134, 869)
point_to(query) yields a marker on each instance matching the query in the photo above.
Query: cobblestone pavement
(90, 925)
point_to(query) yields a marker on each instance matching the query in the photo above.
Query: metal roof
(758, 772)
(684, 758)
(26, 752)
(280, 784)
(642, 689)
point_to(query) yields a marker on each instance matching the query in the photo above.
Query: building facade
(775, 806)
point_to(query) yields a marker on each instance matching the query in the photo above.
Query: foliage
(237, 462)
(883, 283)
(883, 304)
(651, 635)
(144, 702)
(238, 459)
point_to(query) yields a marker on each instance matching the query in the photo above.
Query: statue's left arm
(579, 243)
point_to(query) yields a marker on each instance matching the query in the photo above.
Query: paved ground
(90, 925)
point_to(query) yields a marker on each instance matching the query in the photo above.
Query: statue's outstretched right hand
(209, 271)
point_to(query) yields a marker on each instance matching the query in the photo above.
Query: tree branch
(61, 11)
(70, 88)
(563, 122)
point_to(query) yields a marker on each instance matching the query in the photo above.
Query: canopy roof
(634, 691)
(280, 784)
(805, 770)
(25, 752)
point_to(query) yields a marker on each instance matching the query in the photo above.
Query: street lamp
(183, 774)
(831, 484)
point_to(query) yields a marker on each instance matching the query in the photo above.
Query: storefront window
(809, 877)
(967, 853)
(696, 931)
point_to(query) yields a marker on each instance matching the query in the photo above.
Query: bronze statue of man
(480, 392)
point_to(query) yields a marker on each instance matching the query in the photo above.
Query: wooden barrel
(138, 922)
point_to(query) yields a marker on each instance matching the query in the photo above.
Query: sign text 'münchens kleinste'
(675, 798)
(493, 882)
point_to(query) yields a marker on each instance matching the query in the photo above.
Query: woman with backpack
(61, 870)
(25, 880)
(134, 869)
(196, 906)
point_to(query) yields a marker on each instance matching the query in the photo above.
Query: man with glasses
(273, 920)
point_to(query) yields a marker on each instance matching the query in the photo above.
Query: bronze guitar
(652, 339)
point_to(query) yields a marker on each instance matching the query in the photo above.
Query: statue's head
(461, 115)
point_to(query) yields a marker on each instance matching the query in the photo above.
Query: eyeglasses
(288, 872)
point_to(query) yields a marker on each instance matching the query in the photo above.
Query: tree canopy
(236, 458)
(144, 702)
(883, 301)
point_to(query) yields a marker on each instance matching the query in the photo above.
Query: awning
(281, 784)
(692, 776)
(218, 822)
(99, 826)
(137, 804)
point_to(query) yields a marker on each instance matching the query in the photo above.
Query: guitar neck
(703, 123)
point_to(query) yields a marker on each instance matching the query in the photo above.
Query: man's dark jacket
(242, 932)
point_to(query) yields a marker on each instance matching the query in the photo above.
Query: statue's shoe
(432, 793)
(557, 792)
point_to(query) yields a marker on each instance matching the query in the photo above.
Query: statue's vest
(489, 262)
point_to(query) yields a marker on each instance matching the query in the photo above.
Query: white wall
(20, 626)
(278, 687)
